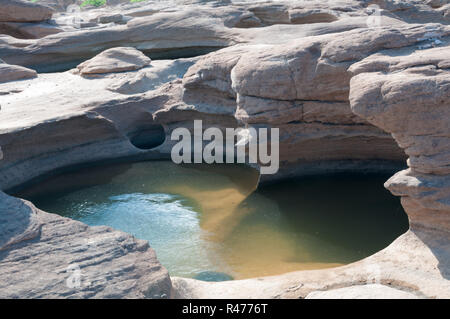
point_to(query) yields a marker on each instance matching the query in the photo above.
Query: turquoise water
(209, 221)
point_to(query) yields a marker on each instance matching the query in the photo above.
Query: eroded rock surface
(375, 291)
(350, 85)
(64, 258)
(194, 28)
(10, 72)
(409, 96)
(26, 30)
(115, 60)
(23, 11)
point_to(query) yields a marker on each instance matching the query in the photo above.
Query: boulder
(28, 30)
(10, 72)
(66, 258)
(409, 97)
(372, 291)
(115, 60)
(109, 18)
(23, 11)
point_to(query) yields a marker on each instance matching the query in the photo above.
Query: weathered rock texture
(346, 94)
(404, 91)
(375, 291)
(46, 256)
(410, 98)
(26, 30)
(414, 264)
(165, 29)
(23, 11)
(15, 72)
(115, 60)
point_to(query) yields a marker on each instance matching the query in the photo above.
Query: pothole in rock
(148, 137)
(211, 223)
(161, 54)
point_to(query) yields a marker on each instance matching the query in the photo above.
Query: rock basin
(206, 219)
(346, 95)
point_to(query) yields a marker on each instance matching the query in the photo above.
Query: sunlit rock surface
(10, 72)
(47, 256)
(375, 291)
(409, 96)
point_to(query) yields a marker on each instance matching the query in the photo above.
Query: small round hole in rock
(148, 137)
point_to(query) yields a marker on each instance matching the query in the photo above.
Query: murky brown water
(209, 222)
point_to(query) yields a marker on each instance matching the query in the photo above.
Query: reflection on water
(209, 222)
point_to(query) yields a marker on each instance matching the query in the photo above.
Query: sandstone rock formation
(346, 95)
(163, 28)
(58, 5)
(67, 259)
(110, 18)
(25, 19)
(14, 72)
(28, 30)
(412, 264)
(375, 291)
(114, 60)
(410, 98)
(23, 11)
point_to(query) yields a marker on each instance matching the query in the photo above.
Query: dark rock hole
(148, 137)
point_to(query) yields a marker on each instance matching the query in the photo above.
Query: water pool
(210, 222)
